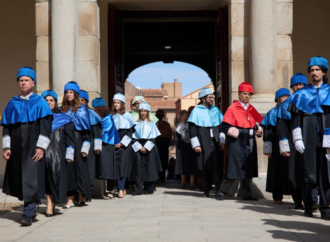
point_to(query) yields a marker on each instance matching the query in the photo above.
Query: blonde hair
(182, 112)
(148, 117)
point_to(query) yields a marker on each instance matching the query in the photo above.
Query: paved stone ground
(171, 214)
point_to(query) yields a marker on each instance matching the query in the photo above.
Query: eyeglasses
(210, 97)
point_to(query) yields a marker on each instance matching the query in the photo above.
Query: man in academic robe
(207, 140)
(241, 124)
(27, 126)
(163, 142)
(135, 114)
(308, 124)
(293, 160)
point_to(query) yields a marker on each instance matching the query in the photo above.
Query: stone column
(64, 33)
(263, 56)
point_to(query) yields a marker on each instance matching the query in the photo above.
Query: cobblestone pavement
(171, 214)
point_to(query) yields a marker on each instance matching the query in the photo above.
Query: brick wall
(130, 92)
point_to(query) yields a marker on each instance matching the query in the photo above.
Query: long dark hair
(102, 111)
(121, 110)
(66, 104)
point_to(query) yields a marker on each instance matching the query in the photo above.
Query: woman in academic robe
(56, 158)
(95, 122)
(124, 153)
(106, 165)
(185, 156)
(146, 161)
(277, 173)
(78, 173)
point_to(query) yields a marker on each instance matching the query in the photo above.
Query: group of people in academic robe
(297, 141)
(58, 152)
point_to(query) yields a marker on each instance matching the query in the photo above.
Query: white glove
(300, 147)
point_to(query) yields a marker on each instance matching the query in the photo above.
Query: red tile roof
(154, 92)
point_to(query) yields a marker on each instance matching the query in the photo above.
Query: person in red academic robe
(241, 124)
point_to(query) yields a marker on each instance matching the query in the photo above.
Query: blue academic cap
(98, 102)
(281, 92)
(72, 86)
(204, 92)
(119, 97)
(84, 94)
(145, 106)
(318, 61)
(49, 93)
(27, 71)
(298, 78)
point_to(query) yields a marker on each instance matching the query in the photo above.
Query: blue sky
(152, 75)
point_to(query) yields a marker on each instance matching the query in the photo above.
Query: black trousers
(141, 187)
(322, 184)
(110, 185)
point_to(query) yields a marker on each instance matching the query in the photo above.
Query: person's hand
(143, 150)
(6, 155)
(300, 147)
(117, 146)
(258, 132)
(97, 152)
(83, 154)
(39, 154)
(198, 149)
(68, 160)
(286, 154)
(222, 146)
(269, 155)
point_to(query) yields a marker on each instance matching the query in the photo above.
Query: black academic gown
(124, 154)
(150, 163)
(242, 157)
(25, 178)
(56, 165)
(78, 172)
(211, 157)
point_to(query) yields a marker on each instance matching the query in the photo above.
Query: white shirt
(27, 97)
(315, 85)
(245, 106)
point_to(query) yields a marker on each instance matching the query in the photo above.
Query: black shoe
(88, 199)
(325, 216)
(308, 213)
(136, 194)
(221, 196)
(250, 198)
(298, 207)
(26, 221)
(49, 215)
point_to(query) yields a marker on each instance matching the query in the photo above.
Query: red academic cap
(245, 87)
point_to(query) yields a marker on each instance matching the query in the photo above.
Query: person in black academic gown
(307, 132)
(124, 152)
(294, 175)
(106, 164)
(185, 164)
(56, 157)
(78, 182)
(278, 182)
(207, 140)
(27, 125)
(95, 122)
(241, 123)
(146, 162)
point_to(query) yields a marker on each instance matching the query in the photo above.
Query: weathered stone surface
(284, 1)
(43, 48)
(88, 18)
(240, 48)
(284, 47)
(284, 18)
(240, 1)
(43, 76)
(240, 73)
(239, 19)
(42, 19)
(89, 47)
(285, 72)
(88, 75)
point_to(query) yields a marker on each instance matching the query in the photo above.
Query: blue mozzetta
(84, 94)
(144, 106)
(109, 131)
(318, 61)
(59, 120)
(98, 102)
(270, 118)
(281, 92)
(49, 93)
(327, 131)
(94, 117)
(119, 97)
(282, 110)
(309, 99)
(27, 71)
(25, 111)
(298, 78)
(72, 86)
(124, 121)
(204, 92)
(80, 118)
(206, 117)
(145, 130)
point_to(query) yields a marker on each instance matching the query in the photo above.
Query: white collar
(315, 85)
(245, 106)
(27, 97)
